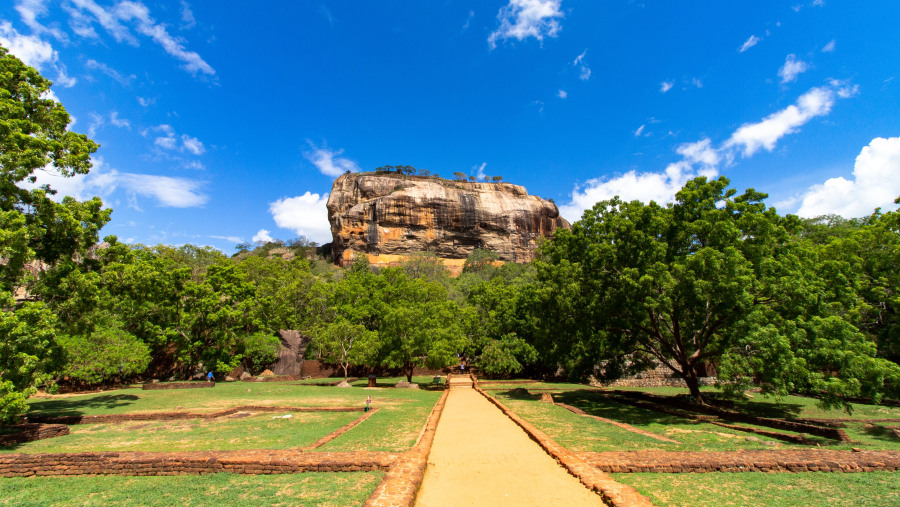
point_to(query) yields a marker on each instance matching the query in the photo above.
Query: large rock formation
(389, 216)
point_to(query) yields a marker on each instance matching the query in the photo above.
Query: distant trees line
(412, 171)
(791, 305)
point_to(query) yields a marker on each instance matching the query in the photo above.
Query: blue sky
(223, 122)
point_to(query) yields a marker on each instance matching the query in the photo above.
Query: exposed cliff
(387, 216)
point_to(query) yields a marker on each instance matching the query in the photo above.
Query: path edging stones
(401, 483)
(612, 492)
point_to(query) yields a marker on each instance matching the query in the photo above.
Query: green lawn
(777, 490)
(395, 427)
(323, 489)
(262, 431)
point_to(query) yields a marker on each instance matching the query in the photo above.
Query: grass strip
(325, 489)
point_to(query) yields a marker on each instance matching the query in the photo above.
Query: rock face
(388, 216)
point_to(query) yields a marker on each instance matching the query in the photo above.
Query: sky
(227, 122)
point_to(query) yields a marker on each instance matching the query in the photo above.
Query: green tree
(345, 343)
(497, 179)
(459, 176)
(33, 227)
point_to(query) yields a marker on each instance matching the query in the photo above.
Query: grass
(325, 489)
(394, 427)
(226, 433)
(779, 490)
(579, 433)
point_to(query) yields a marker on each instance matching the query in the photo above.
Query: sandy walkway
(480, 457)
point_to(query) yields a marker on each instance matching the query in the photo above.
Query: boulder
(245, 376)
(229, 378)
(266, 373)
(343, 384)
(387, 216)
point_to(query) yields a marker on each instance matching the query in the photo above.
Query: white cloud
(749, 138)
(102, 67)
(697, 82)
(828, 48)
(145, 102)
(30, 10)
(34, 52)
(187, 16)
(791, 69)
(167, 191)
(666, 86)
(119, 122)
(468, 20)
(84, 12)
(639, 131)
(97, 121)
(702, 158)
(521, 19)
(306, 215)
(875, 184)
(232, 239)
(584, 72)
(169, 141)
(562, 94)
(479, 170)
(263, 236)
(749, 43)
(633, 185)
(192, 144)
(328, 161)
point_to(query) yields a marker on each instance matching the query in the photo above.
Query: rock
(229, 379)
(343, 384)
(266, 373)
(752, 439)
(856, 449)
(547, 398)
(155, 381)
(245, 376)
(407, 385)
(388, 216)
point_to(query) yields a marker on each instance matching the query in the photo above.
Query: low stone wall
(401, 484)
(163, 416)
(192, 463)
(176, 385)
(612, 492)
(802, 460)
(29, 432)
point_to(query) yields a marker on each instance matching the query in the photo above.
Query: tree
(497, 179)
(473, 178)
(460, 176)
(345, 343)
(668, 283)
(33, 227)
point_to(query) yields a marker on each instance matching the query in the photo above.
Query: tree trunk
(344, 366)
(409, 373)
(693, 383)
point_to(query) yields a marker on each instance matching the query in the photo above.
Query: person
(368, 401)
(209, 377)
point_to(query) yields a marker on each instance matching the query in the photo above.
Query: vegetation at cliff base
(715, 281)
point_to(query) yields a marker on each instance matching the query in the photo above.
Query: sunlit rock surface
(388, 216)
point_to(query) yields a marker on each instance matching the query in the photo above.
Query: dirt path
(480, 457)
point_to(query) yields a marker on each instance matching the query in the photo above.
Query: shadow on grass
(78, 406)
(594, 403)
(771, 409)
(879, 432)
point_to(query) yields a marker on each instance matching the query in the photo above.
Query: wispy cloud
(666, 86)
(639, 131)
(749, 43)
(521, 19)
(86, 12)
(828, 48)
(119, 122)
(114, 74)
(791, 69)
(468, 20)
(167, 191)
(30, 11)
(169, 140)
(188, 20)
(329, 162)
(562, 94)
(584, 72)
